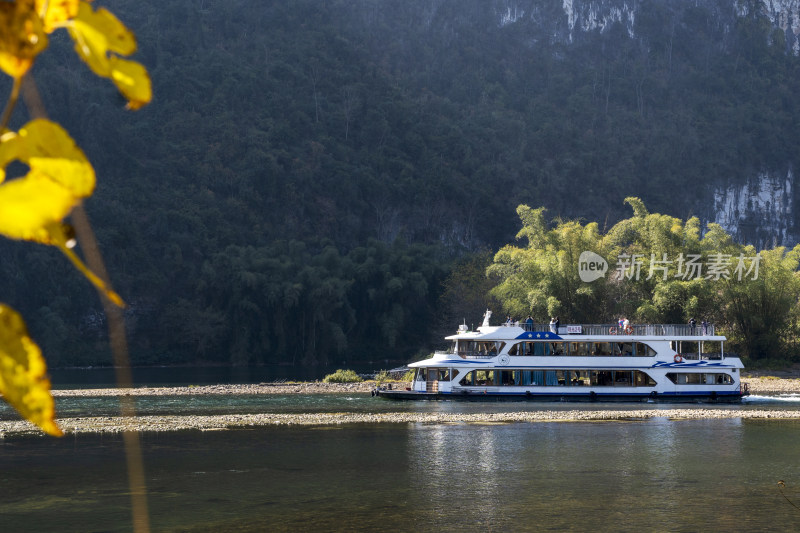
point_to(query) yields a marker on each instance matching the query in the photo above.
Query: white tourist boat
(663, 362)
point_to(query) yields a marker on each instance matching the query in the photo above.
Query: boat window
(514, 348)
(697, 378)
(479, 348)
(523, 377)
(602, 348)
(444, 374)
(527, 348)
(506, 377)
(644, 350)
(541, 348)
(562, 378)
(642, 379)
(601, 378)
(623, 378)
(571, 378)
(623, 349)
(579, 348)
(484, 377)
(422, 374)
(580, 377)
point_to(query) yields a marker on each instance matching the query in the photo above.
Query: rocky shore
(229, 422)
(772, 384)
(314, 387)
(116, 424)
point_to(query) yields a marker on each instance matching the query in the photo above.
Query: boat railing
(466, 354)
(678, 330)
(709, 356)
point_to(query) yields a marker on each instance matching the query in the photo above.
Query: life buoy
(612, 330)
(678, 358)
(629, 330)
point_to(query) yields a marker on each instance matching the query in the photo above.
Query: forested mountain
(310, 171)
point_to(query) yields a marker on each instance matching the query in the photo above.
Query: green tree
(665, 272)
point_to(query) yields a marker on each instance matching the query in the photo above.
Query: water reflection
(455, 464)
(653, 475)
(620, 476)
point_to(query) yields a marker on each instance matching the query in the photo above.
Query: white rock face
(785, 14)
(512, 14)
(760, 211)
(600, 15)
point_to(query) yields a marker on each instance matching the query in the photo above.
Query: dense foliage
(309, 171)
(661, 270)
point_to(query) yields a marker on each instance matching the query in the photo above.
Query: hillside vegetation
(313, 176)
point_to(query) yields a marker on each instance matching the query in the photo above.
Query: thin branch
(781, 485)
(116, 334)
(12, 102)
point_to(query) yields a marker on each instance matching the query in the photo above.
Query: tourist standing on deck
(553, 325)
(692, 325)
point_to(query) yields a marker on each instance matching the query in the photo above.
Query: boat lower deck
(591, 396)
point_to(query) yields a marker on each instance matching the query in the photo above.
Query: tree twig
(116, 334)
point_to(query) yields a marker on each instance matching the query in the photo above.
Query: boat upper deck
(594, 330)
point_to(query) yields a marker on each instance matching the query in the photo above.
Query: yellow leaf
(60, 176)
(132, 80)
(98, 36)
(21, 37)
(29, 205)
(55, 13)
(49, 150)
(23, 381)
(32, 207)
(96, 33)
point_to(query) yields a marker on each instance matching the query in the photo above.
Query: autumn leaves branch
(33, 207)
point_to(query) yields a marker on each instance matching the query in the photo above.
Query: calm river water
(637, 475)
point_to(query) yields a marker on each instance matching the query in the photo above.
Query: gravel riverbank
(316, 387)
(228, 422)
(116, 424)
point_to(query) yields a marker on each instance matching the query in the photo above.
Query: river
(634, 475)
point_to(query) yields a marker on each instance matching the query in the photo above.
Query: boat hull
(591, 396)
